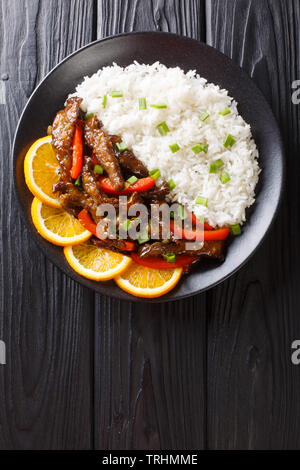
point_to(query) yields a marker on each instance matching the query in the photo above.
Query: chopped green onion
(224, 112)
(181, 212)
(224, 177)
(170, 257)
(126, 225)
(158, 106)
(202, 200)
(142, 103)
(230, 140)
(121, 146)
(154, 173)
(88, 116)
(78, 182)
(132, 179)
(235, 229)
(171, 184)
(116, 94)
(174, 148)
(163, 128)
(204, 116)
(172, 215)
(201, 219)
(215, 166)
(143, 237)
(104, 101)
(200, 148)
(98, 169)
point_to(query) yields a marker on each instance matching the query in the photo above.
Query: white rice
(187, 97)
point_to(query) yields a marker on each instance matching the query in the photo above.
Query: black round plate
(171, 50)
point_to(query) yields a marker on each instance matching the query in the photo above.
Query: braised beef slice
(102, 147)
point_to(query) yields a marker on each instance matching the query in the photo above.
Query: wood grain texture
(45, 318)
(254, 317)
(150, 360)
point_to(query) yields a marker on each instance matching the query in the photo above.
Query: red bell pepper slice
(77, 151)
(198, 222)
(143, 184)
(208, 235)
(86, 221)
(182, 261)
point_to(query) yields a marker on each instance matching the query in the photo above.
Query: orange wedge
(98, 264)
(147, 282)
(41, 171)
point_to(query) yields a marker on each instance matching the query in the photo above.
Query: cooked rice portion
(187, 97)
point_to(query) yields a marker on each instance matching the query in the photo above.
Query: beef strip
(210, 249)
(63, 129)
(114, 245)
(128, 161)
(73, 201)
(102, 147)
(157, 193)
(91, 186)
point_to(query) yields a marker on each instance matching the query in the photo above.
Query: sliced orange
(98, 264)
(147, 282)
(41, 171)
(56, 225)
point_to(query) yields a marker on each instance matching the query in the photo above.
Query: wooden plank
(254, 317)
(150, 360)
(45, 318)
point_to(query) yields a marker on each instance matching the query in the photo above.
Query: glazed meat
(63, 129)
(157, 193)
(128, 161)
(73, 201)
(102, 147)
(91, 185)
(210, 249)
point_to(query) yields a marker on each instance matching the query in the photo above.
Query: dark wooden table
(214, 371)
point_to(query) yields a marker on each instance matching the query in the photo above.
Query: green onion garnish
(201, 219)
(172, 215)
(143, 237)
(78, 182)
(121, 146)
(154, 173)
(202, 200)
(126, 225)
(116, 94)
(181, 212)
(171, 184)
(224, 112)
(235, 229)
(230, 140)
(158, 106)
(170, 257)
(200, 148)
(224, 177)
(142, 103)
(98, 169)
(174, 148)
(215, 166)
(88, 116)
(163, 128)
(104, 101)
(132, 179)
(204, 116)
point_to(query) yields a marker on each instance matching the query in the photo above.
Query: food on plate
(98, 264)
(154, 171)
(56, 225)
(41, 171)
(148, 282)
